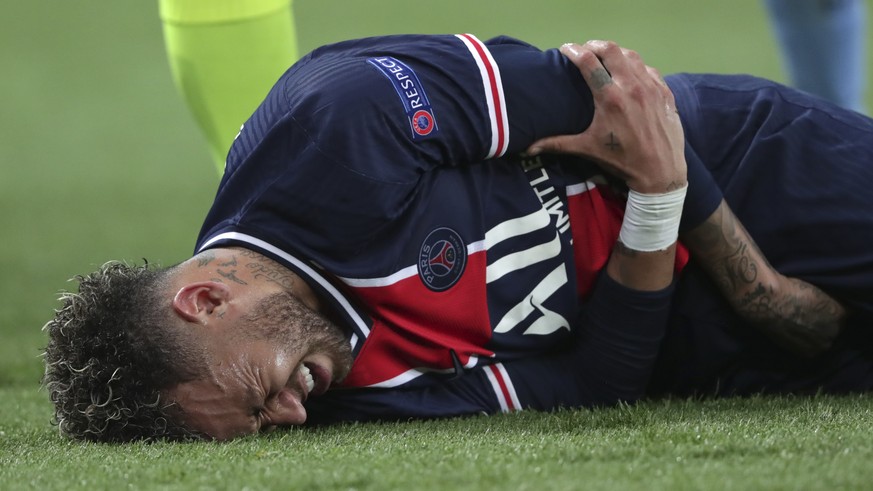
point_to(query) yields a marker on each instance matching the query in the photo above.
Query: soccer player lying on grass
(394, 238)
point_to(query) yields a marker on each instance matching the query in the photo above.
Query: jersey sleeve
(610, 360)
(395, 106)
(351, 130)
(704, 194)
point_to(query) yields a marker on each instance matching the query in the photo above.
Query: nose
(285, 409)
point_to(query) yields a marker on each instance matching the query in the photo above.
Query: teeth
(307, 376)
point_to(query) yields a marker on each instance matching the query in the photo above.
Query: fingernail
(571, 48)
(534, 151)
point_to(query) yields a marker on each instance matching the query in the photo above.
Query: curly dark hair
(112, 350)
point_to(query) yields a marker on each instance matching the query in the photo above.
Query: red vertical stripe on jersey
(495, 92)
(595, 219)
(503, 388)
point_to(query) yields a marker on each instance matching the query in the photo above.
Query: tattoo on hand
(613, 143)
(600, 78)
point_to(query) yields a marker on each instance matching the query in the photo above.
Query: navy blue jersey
(384, 172)
(797, 171)
(378, 170)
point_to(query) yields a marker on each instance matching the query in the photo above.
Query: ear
(195, 302)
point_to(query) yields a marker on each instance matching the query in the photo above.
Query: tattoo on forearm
(803, 319)
(740, 268)
(728, 258)
(798, 316)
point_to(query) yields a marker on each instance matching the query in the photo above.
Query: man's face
(262, 368)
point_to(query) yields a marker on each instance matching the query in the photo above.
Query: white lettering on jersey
(554, 205)
(548, 320)
(521, 259)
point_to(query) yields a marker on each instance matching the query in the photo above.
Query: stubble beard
(284, 319)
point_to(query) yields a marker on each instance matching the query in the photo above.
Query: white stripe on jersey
(340, 298)
(407, 272)
(584, 187)
(494, 97)
(414, 373)
(516, 404)
(408, 375)
(502, 386)
(404, 273)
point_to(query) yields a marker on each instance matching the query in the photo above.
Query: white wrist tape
(651, 221)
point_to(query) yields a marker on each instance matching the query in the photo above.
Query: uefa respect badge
(421, 117)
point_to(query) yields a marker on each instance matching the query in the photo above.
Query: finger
(634, 62)
(595, 74)
(631, 55)
(655, 75)
(566, 144)
(611, 55)
(669, 98)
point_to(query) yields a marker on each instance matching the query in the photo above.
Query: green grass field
(100, 160)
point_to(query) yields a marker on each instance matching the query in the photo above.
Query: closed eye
(263, 421)
(258, 417)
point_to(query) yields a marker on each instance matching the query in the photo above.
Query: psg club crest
(441, 259)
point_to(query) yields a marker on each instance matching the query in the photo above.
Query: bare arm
(795, 314)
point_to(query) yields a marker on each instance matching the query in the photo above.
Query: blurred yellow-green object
(224, 56)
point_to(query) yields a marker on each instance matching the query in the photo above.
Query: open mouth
(314, 378)
(308, 381)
